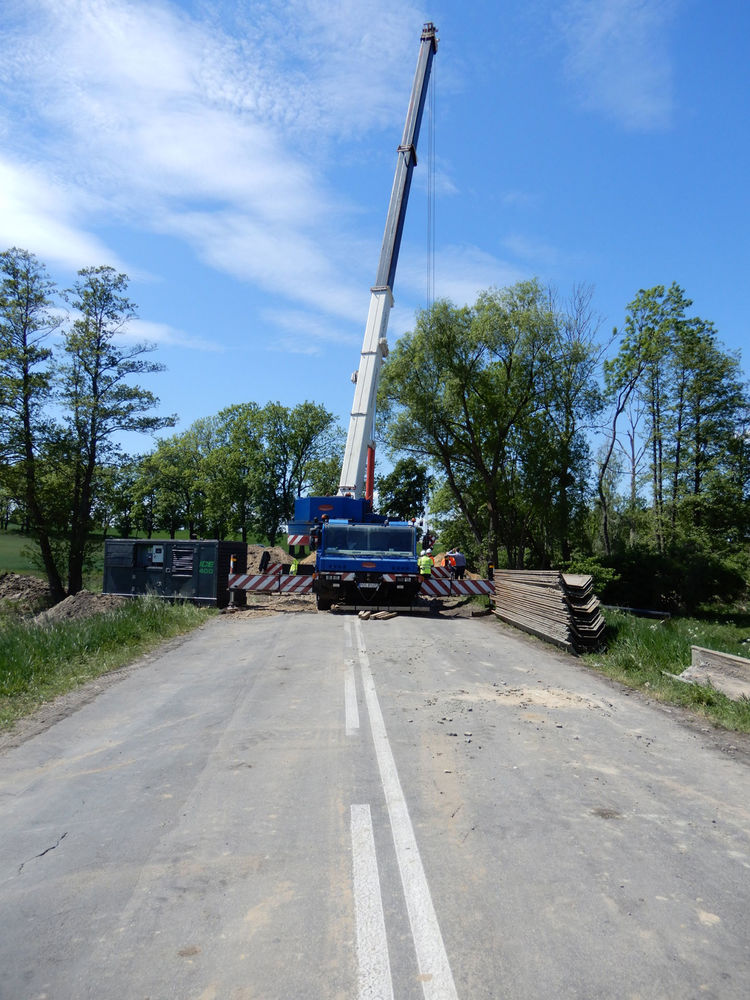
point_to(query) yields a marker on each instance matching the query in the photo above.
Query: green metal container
(173, 569)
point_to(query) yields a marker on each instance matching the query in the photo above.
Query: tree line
(629, 457)
(60, 408)
(534, 441)
(69, 386)
(236, 474)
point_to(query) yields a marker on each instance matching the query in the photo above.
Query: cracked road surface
(318, 807)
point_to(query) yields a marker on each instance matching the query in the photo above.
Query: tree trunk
(80, 529)
(36, 523)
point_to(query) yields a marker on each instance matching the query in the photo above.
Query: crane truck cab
(362, 559)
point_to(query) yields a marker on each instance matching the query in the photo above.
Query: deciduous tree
(26, 321)
(98, 393)
(403, 493)
(496, 399)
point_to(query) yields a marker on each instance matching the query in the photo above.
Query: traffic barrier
(435, 587)
(296, 585)
(472, 588)
(274, 582)
(261, 582)
(271, 583)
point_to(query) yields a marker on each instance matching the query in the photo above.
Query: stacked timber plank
(558, 607)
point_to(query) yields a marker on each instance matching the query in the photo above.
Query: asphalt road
(309, 806)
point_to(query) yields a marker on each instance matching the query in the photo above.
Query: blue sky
(235, 159)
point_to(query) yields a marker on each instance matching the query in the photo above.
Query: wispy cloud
(539, 253)
(44, 215)
(164, 335)
(521, 199)
(461, 273)
(302, 332)
(617, 56)
(137, 113)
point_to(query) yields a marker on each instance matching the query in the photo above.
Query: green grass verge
(40, 662)
(639, 650)
(12, 556)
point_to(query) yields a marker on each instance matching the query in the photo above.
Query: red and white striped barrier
(472, 587)
(437, 586)
(432, 586)
(298, 539)
(261, 582)
(441, 572)
(296, 585)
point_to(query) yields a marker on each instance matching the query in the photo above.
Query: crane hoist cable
(431, 119)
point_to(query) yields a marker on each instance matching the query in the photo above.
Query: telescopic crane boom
(356, 471)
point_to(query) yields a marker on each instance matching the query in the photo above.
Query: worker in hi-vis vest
(425, 563)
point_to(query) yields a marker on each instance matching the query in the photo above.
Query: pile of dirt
(80, 605)
(259, 605)
(276, 553)
(28, 593)
(255, 554)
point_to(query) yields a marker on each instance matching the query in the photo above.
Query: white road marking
(351, 709)
(375, 981)
(432, 960)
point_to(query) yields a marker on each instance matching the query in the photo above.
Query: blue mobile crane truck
(363, 558)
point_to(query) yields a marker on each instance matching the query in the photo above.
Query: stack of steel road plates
(560, 608)
(586, 619)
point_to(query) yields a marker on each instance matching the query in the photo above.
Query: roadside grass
(639, 651)
(40, 662)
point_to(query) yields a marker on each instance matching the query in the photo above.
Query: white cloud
(164, 335)
(278, 258)
(293, 345)
(43, 216)
(461, 272)
(179, 126)
(618, 58)
(540, 254)
(308, 331)
(521, 199)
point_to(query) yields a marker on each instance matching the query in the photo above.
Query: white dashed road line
(435, 972)
(375, 981)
